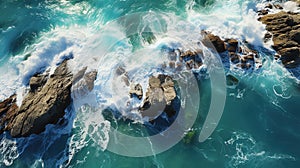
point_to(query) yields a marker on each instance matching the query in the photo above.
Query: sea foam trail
(244, 150)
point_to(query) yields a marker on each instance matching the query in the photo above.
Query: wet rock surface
(136, 90)
(239, 54)
(159, 97)
(8, 109)
(44, 104)
(285, 30)
(216, 41)
(83, 82)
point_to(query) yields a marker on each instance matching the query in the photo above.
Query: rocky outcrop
(44, 104)
(285, 30)
(165, 85)
(136, 90)
(8, 109)
(159, 97)
(240, 55)
(216, 41)
(191, 59)
(231, 81)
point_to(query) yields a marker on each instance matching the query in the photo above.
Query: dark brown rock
(77, 77)
(286, 35)
(277, 6)
(232, 45)
(267, 37)
(213, 41)
(295, 35)
(83, 82)
(289, 54)
(270, 6)
(249, 57)
(89, 78)
(8, 108)
(37, 81)
(191, 59)
(263, 12)
(234, 58)
(188, 53)
(41, 106)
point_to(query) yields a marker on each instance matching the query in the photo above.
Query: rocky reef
(44, 104)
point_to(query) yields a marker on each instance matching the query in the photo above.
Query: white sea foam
(246, 150)
(291, 6)
(8, 151)
(9, 81)
(90, 128)
(231, 19)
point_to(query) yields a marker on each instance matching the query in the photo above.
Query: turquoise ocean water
(260, 123)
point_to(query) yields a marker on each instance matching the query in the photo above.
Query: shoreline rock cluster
(160, 103)
(239, 54)
(159, 96)
(284, 30)
(44, 104)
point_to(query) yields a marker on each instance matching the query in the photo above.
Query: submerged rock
(189, 136)
(231, 81)
(44, 104)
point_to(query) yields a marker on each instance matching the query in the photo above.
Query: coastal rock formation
(159, 97)
(136, 90)
(192, 59)
(8, 109)
(83, 82)
(285, 30)
(214, 40)
(240, 55)
(44, 104)
(231, 81)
